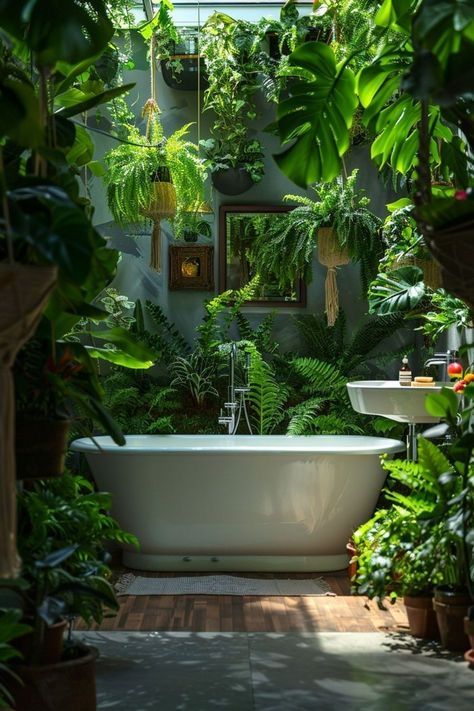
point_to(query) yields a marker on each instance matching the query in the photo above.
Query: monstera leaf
(58, 30)
(399, 291)
(317, 116)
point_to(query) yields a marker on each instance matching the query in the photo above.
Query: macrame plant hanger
(163, 202)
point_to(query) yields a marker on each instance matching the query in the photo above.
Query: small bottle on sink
(404, 374)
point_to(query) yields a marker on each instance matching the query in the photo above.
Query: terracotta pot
(232, 181)
(469, 630)
(421, 616)
(51, 647)
(41, 447)
(351, 552)
(68, 685)
(451, 608)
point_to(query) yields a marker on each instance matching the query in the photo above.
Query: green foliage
(134, 165)
(284, 249)
(320, 136)
(267, 396)
(446, 312)
(229, 49)
(321, 378)
(424, 46)
(426, 538)
(400, 291)
(196, 375)
(11, 628)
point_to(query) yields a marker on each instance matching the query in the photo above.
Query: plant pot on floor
(351, 552)
(40, 447)
(232, 181)
(451, 608)
(51, 643)
(67, 685)
(421, 616)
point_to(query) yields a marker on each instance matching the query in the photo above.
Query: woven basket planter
(453, 249)
(430, 268)
(163, 205)
(24, 290)
(331, 255)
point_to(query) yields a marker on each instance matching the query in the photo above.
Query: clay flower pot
(421, 616)
(451, 608)
(65, 685)
(51, 646)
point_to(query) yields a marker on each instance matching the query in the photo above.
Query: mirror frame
(225, 210)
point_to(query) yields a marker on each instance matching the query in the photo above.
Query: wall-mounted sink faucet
(237, 395)
(443, 359)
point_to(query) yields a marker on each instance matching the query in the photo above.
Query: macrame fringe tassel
(332, 296)
(155, 256)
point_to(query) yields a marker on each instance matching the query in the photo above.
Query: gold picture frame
(191, 267)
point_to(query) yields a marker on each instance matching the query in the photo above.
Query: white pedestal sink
(390, 399)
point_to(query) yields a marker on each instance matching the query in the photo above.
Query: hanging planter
(162, 206)
(331, 255)
(24, 290)
(183, 67)
(454, 251)
(430, 268)
(232, 181)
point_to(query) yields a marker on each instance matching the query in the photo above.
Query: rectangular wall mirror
(239, 225)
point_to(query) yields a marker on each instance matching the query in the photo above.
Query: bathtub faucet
(237, 396)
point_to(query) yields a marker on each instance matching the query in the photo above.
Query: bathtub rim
(293, 445)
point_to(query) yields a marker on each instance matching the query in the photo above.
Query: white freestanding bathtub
(240, 503)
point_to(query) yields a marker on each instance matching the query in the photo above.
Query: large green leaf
(399, 291)
(317, 116)
(58, 30)
(101, 98)
(19, 112)
(119, 357)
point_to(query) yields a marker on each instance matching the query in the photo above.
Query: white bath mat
(129, 584)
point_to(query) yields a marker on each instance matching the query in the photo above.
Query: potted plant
(453, 518)
(191, 225)
(404, 243)
(229, 48)
(44, 224)
(151, 177)
(58, 583)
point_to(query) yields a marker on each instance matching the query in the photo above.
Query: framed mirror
(239, 226)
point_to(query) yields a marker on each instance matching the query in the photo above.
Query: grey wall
(185, 308)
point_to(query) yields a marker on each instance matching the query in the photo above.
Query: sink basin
(390, 399)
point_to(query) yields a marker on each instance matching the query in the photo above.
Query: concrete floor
(201, 671)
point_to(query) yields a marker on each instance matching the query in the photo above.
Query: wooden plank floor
(227, 613)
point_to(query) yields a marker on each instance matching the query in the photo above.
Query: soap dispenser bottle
(404, 374)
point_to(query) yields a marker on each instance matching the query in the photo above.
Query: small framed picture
(191, 267)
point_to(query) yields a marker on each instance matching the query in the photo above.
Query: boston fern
(322, 375)
(135, 164)
(285, 250)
